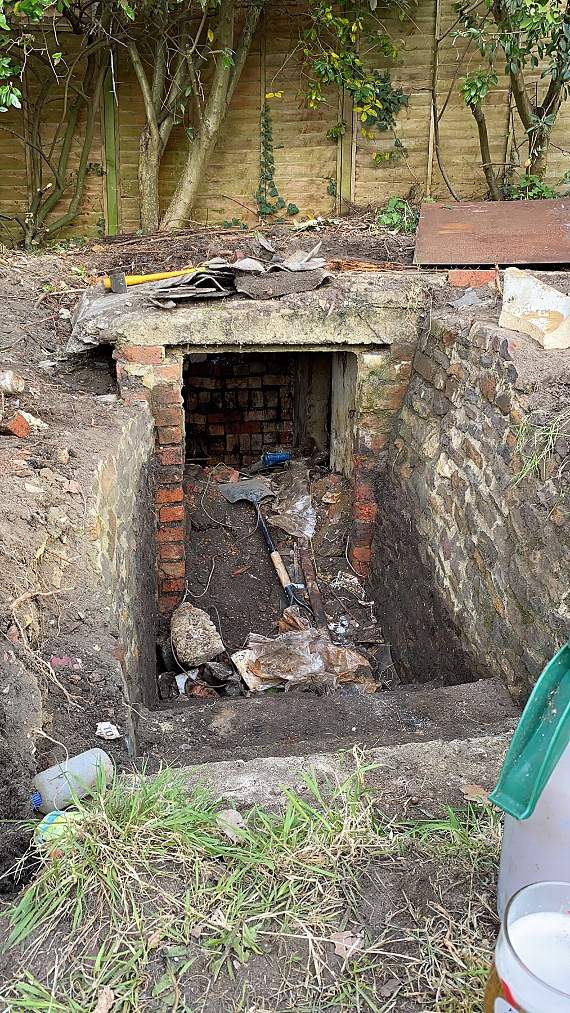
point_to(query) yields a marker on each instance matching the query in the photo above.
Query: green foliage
(332, 45)
(10, 94)
(475, 87)
(529, 187)
(338, 131)
(268, 199)
(331, 187)
(398, 215)
(521, 35)
(526, 40)
(234, 223)
(398, 151)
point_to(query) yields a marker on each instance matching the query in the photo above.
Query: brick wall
(237, 406)
(233, 407)
(154, 374)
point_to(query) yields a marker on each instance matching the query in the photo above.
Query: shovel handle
(279, 565)
(280, 569)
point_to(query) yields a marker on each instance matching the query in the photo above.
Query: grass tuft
(536, 440)
(156, 898)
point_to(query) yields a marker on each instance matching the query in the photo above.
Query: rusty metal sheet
(494, 232)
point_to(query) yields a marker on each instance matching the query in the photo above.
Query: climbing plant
(332, 47)
(530, 43)
(268, 199)
(34, 73)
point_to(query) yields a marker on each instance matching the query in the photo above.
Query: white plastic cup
(532, 957)
(76, 776)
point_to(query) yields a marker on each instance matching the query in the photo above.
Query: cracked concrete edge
(355, 309)
(430, 772)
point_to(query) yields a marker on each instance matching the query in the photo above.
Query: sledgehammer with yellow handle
(118, 281)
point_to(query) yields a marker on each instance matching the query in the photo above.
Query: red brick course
(472, 278)
(147, 355)
(171, 455)
(171, 550)
(171, 513)
(169, 435)
(174, 494)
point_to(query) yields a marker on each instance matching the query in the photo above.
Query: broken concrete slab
(353, 310)
(533, 307)
(428, 774)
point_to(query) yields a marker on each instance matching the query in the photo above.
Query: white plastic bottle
(55, 787)
(538, 849)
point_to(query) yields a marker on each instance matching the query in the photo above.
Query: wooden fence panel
(413, 73)
(309, 168)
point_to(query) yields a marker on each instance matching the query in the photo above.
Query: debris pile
(301, 271)
(301, 658)
(307, 646)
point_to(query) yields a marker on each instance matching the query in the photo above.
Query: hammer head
(118, 283)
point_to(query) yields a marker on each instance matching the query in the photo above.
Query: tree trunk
(487, 165)
(539, 154)
(149, 166)
(184, 198)
(223, 86)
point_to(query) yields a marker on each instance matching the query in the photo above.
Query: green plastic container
(540, 739)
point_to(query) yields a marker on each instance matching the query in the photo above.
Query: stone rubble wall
(470, 567)
(120, 528)
(382, 382)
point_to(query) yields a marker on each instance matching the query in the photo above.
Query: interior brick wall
(237, 407)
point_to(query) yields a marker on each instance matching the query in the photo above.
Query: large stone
(532, 307)
(195, 639)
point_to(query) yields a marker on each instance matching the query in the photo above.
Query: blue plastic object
(36, 800)
(273, 457)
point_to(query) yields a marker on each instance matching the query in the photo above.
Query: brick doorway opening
(237, 406)
(217, 405)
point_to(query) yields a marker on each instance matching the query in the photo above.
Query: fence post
(346, 153)
(110, 154)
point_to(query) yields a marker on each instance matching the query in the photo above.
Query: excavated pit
(367, 392)
(403, 412)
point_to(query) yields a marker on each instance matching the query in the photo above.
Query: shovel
(255, 491)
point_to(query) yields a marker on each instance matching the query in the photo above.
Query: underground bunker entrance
(239, 407)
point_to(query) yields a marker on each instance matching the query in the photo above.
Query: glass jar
(531, 972)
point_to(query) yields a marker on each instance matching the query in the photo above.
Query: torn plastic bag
(300, 658)
(294, 510)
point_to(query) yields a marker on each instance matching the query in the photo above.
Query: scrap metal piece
(494, 232)
(274, 284)
(118, 281)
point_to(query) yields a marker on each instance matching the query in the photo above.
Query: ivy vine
(268, 199)
(332, 46)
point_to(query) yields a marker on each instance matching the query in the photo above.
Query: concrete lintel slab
(353, 310)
